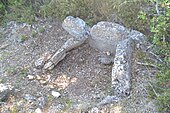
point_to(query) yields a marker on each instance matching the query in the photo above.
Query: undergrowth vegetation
(160, 39)
(92, 11)
(149, 16)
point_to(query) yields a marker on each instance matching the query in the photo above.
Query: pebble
(39, 63)
(43, 81)
(106, 60)
(95, 110)
(42, 102)
(108, 53)
(38, 110)
(51, 86)
(30, 77)
(29, 97)
(55, 94)
(4, 46)
(38, 77)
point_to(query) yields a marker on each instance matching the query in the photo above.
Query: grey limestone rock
(121, 71)
(39, 63)
(106, 60)
(29, 97)
(76, 27)
(106, 35)
(137, 36)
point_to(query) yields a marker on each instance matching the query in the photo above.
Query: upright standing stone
(76, 27)
(121, 71)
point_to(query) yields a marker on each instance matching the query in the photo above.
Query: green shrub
(2, 10)
(89, 10)
(164, 101)
(128, 11)
(93, 11)
(160, 38)
(20, 10)
(34, 33)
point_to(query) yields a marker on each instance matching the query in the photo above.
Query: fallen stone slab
(75, 27)
(63, 51)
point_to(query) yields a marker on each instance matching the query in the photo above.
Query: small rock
(5, 92)
(41, 61)
(95, 110)
(55, 94)
(30, 77)
(75, 26)
(4, 46)
(106, 60)
(51, 86)
(29, 97)
(43, 82)
(38, 110)
(108, 53)
(42, 102)
(73, 80)
(38, 77)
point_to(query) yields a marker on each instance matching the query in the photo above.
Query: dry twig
(146, 64)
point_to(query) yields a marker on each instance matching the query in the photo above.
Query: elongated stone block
(121, 71)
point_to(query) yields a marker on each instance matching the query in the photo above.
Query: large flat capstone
(106, 35)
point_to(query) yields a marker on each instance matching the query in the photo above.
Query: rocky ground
(75, 85)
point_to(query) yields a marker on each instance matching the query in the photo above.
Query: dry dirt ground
(80, 79)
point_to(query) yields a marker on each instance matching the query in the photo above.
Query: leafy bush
(92, 11)
(89, 10)
(160, 28)
(20, 10)
(2, 9)
(128, 11)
